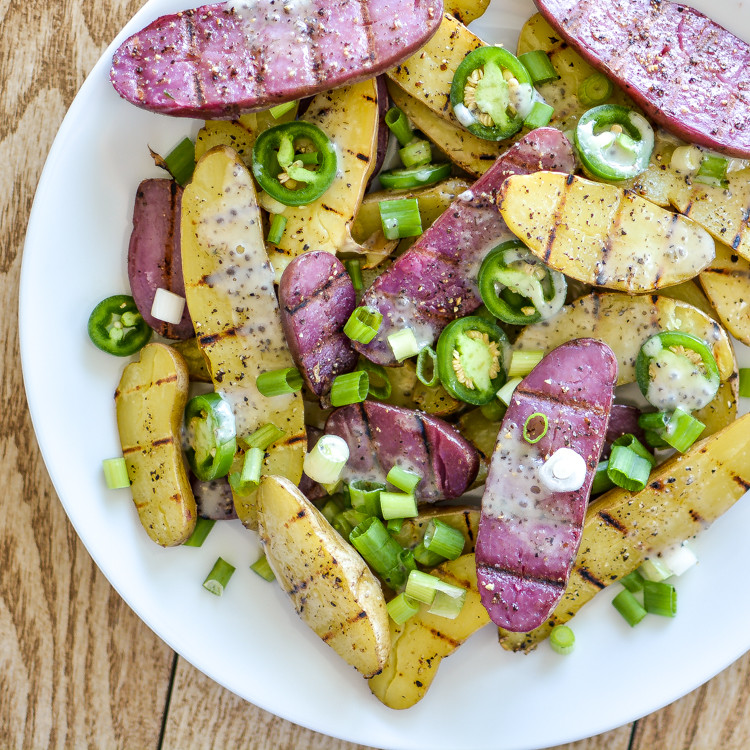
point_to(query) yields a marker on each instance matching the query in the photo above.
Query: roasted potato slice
(420, 644)
(726, 282)
(194, 359)
(150, 401)
(230, 294)
(601, 234)
(466, 11)
(684, 495)
(331, 587)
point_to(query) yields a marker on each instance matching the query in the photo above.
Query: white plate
(249, 640)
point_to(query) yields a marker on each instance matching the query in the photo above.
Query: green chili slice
(614, 142)
(285, 178)
(471, 357)
(115, 326)
(413, 177)
(491, 93)
(212, 440)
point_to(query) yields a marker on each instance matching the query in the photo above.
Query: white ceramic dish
(249, 640)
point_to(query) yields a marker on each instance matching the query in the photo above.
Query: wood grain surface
(77, 668)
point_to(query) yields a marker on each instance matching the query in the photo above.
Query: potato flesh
(466, 11)
(422, 642)
(150, 401)
(331, 587)
(684, 496)
(229, 285)
(601, 234)
(349, 117)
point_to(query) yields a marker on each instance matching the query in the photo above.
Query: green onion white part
(325, 462)
(167, 306)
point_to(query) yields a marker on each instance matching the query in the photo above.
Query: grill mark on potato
(580, 403)
(728, 272)
(332, 210)
(557, 219)
(443, 637)
(613, 522)
(162, 441)
(194, 52)
(169, 379)
(329, 282)
(590, 577)
(467, 522)
(367, 25)
(697, 517)
(554, 582)
(212, 338)
(742, 482)
(361, 615)
(292, 440)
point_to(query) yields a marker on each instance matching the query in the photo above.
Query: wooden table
(77, 667)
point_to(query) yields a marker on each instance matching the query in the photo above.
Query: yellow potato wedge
(625, 322)
(466, 11)
(230, 294)
(331, 587)
(726, 282)
(601, 234)
(150, 401)
(464, 149)
(422, 642)
(349, 117)
(691, 292)
(194, 359)
(684, 495)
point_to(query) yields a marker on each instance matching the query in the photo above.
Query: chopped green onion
(627, 469)
(506, 392)
(115, 473)
(244, 482)
(218, 578)
(180, 162)
(562, 639)
(404, 480)
(342, 526)
(712, 171)
(282, 109)
(416, 153)
(422, 586)
(365, 496)
(427, 370)
(595, 90)
(425, 557)
(397, 505)
(443, 539)
(202, 527)
(363, 324)
(679, 558)
(354, 517)
(745, 382)
(633, 582)
(654, 421)
(539, 66)
(445, 599)
(349, 388)
(401, 608)
(379, 550)
(379, 390)
(399, 125)
(659, 598)
(403, 344)
(448, 605)
(331, 509)
(279, 382)
(264, 437)
(654, 569)
(654, 439)
(276, 230)
(400, 218)
(683, 430)
(354, 269)
(325, 462)
(533, 432)
(396, 577)
(540, 115)
(601, 482)
(522, 363)
(394, 525)
(494, 411)
(263, 569)
(629, 607)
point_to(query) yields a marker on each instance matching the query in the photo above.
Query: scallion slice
(202, 528)
(427, 370)
(654, 569)
(263, 437)
(276, 230)
(167, 306)
(217, 580)
(394, 525)
(399, 125)
(426, 558)
(331, 508)
(745, 382)
(354, 269)
(349, 388)
(403, 479)
(180, 162)
(244, 482)
(325, 462)
(363, 324)
(595, 90)
(380, 383)
(562, 639)
(633, 582)
(523, 362)
(682, 431)
(712, 171)
(282, 109)
(401, 608)
(279, 382)
(679, 558)
(354, 517)
(443, 598)
(629, 607)
(378, 548)
(263, 569)
(422, 586)
(404, 344)
(416, 153)
(443, 539)
(116, 473)
(535, 427)
(660, 598)
(397, 576)
(540, 115)
(397, 505)
(365, 496)
(627, 469)
(400, 218)
(539, 66)
(506, 392)
(601, 482)
(447, 604)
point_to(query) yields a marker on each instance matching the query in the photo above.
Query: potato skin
(150, 401)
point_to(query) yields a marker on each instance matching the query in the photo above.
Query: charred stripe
(163, 441)
(556, 218)
(591, 578)
(169, 379)
(364, 9)
(742, 482)
(613, 522)
(327, 285)
(212, 338)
